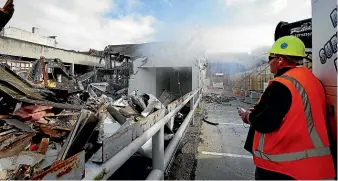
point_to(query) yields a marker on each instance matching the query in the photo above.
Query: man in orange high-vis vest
(290, 134)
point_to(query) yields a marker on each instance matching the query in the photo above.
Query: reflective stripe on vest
(319, 149)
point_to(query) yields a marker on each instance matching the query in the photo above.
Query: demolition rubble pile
(45, 137)
(217, 98)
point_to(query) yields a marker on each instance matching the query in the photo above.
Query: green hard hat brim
(288, 54)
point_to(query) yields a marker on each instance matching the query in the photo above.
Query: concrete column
(158, 151)
(72, 69)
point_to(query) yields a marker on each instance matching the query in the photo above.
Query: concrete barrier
(20, 48)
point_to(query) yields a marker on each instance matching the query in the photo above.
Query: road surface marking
(233, 124)
(226, 154)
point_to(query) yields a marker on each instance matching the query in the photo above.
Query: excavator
(6, 13)
(319, 35)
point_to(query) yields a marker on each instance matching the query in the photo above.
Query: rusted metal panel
(174, 104)
(99, 157)
(123, 137)
(158, 115)
(107, 127)
(5, 137)
(144, 125)
(49, 131)
(150, 121)
(8, 132)
(117, 142)
(71, 169)
(16, 145)
(138, 128)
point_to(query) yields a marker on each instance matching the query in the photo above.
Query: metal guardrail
(160, 157)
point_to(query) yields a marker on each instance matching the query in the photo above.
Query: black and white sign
(330, 47)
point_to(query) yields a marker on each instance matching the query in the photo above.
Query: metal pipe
(155, 175)
(191, 108)
(171, 148)
(158, 151)
(114, 163)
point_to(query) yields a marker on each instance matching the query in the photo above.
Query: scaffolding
(253, 80)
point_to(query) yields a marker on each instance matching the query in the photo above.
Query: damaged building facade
(70, 115)
(20, 48)
(64, 108)
(159, 67)
(33, 36)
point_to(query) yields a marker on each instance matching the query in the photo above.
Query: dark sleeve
(272, 108)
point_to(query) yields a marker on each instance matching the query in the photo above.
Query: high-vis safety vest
(300, 147)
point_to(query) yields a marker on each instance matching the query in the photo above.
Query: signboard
(218, 85)
(324, 21)
(301, 29)
(324, 51)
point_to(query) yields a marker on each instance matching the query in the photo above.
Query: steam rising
(180, 50)
(186, 45)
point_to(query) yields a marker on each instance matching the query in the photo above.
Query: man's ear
(280, 61)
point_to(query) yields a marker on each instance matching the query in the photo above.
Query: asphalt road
(221, 154)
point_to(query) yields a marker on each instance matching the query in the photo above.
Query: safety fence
(160, 157)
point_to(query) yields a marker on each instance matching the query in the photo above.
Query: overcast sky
(218, 25)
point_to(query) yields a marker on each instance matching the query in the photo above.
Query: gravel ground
(215, 152)
(184, 164)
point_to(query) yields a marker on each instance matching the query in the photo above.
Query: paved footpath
(221, 154)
